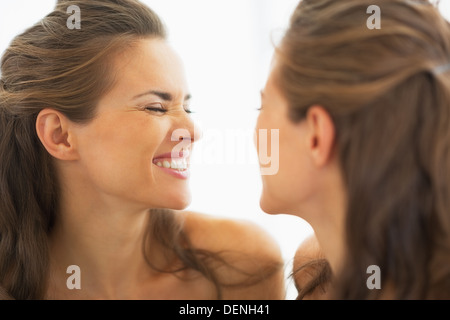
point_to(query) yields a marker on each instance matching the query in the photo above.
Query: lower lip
(184, 175)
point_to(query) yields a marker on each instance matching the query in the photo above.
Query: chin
(269, 206)
(178, 207)
(177, 202)
(273, 203)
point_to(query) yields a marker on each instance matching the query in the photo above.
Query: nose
(185, 129)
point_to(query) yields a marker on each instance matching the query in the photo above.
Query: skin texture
(309, 182)
(110, 180)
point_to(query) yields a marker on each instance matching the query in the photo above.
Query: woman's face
(285, 190)
(137, 147)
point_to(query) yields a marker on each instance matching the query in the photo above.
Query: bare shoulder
(311, 271)
(251, 255)
(219, 234)
(308, 250)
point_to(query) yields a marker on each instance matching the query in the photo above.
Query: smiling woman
(89, 120)
(133, 126)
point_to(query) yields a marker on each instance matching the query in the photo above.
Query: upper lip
(174, 155)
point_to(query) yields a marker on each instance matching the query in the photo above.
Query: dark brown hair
(52, 66)
(389, 98)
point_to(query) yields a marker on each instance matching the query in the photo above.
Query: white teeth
(177, 165)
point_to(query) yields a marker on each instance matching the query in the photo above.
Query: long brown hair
(52, 66)
(388, 93)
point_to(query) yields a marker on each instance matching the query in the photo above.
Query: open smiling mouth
(175, 164)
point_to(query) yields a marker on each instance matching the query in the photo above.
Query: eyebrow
(163, 95)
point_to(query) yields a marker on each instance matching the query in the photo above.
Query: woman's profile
(95, 141)
(364, 121)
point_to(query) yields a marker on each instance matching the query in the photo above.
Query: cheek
(264, 137)
(117, 155)
(286, 190)
(118, 142)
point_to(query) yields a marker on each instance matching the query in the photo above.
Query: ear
(54, 130)
(321, 135)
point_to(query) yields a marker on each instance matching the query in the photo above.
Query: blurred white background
(227, 48)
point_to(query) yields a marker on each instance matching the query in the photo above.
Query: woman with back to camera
(364, 120)
(95, 136)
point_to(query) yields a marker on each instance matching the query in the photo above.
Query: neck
(101, 236)
(331, 241)
(326, 214)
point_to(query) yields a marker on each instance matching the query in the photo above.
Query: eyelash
(162, 110)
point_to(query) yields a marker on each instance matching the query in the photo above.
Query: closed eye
(156, 107)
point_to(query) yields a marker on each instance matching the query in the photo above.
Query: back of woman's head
(388, 93)
(51, 65)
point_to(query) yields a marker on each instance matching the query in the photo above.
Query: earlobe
(322, 135)
(53, 130)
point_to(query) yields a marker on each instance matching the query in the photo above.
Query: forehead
(271, 88)
(149, 64)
